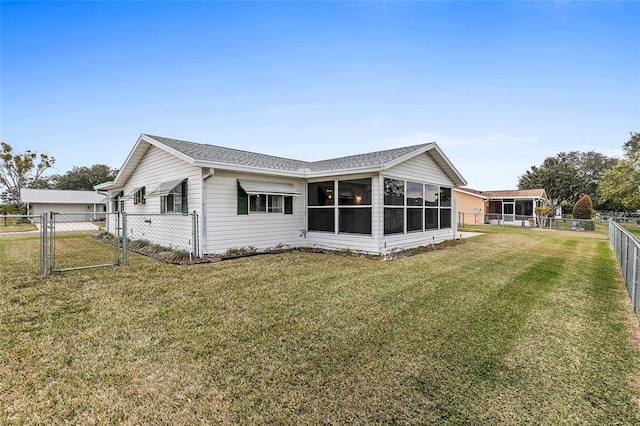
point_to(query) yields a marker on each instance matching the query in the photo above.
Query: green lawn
(518, 326)
(634, 229)
(12, 224)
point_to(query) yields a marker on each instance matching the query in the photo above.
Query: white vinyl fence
(627, 249)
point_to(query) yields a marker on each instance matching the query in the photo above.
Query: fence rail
(73, 240)
(627, 249)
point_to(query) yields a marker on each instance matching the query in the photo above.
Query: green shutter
(288, 205)
(243, 201)
(163, 203)
(185, 205)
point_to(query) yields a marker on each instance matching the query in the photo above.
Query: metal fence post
(43, 243)
(52, 241)
(634, 282)
(124, 239)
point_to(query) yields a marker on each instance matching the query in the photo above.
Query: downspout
(207, 173)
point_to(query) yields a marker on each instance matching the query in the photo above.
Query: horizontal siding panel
(363, 243)
(416, 239)
(226, 229)
(158, 166)
(421, 168)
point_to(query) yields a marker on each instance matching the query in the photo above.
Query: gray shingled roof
(218, 154)
(363, 160)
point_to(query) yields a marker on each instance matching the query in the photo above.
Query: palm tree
(6, 209)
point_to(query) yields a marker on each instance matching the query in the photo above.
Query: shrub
(583, 208)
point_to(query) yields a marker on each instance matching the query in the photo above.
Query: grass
(12, 224)
(633, 229)
(516, 326)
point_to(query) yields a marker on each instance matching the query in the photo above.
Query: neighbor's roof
(58, 196)
(204, 155)
(508, 193)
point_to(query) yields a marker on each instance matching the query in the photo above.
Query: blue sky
(499, 86)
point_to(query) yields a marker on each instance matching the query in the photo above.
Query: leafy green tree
(590, 166)
(567, 176)
(557, 176)
(20, 170)
(85, 178)
(621, 185)
(631, 149)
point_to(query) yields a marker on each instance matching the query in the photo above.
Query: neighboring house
(505, 207)
(91, 204)
(375, 202)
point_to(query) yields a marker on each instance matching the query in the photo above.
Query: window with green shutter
(288, 205)
(243, 201)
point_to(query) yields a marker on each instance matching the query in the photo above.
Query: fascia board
(349, 171)
(461, 181)
(124, 172)
(103, 186)
(247, 169)
(408, 156)
(168, 149)
(470, 193)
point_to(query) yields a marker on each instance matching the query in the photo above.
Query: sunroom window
(415, 207)
(352, 211)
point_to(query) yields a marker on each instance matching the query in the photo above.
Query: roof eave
(347, 171)
(248, 169)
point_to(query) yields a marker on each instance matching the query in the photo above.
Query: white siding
(39, 208)
(227, 229)
(158, 166)
(421, 168)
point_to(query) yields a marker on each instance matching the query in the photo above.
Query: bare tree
(20, 171)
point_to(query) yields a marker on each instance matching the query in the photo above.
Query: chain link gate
(67, 241)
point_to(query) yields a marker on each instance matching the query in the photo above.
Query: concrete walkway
(468, 234)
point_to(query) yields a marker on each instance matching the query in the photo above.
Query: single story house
(505, 207)
(88, 205)
(373, 202)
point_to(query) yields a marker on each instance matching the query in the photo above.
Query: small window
(176, 200)
(139, 196)
(257, 203)
(264, 203)
(275, 204)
